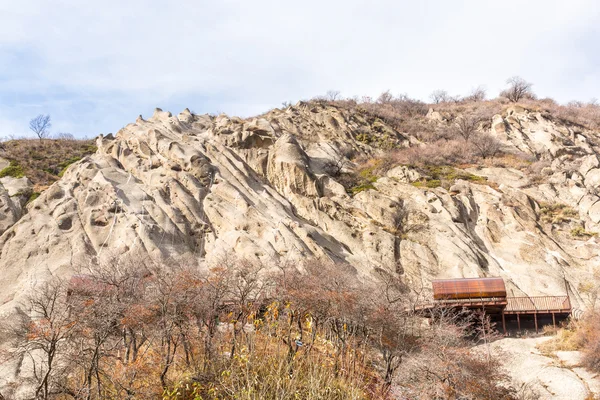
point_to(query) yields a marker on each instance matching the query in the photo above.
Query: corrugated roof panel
(467, 288)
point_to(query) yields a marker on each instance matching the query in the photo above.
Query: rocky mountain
(275, 187)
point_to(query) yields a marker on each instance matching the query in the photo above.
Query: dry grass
(43, 162)
(565, 339)
(583, 335)
(557, 213)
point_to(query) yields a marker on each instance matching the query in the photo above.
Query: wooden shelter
(489, 295)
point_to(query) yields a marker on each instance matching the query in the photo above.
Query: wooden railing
(509, 305)
(538, 304)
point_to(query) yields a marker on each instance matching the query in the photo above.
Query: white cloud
(95, 66)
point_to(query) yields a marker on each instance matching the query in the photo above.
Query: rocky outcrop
(14, 194)
(202, 186)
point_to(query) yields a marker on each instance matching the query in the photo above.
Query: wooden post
(518, 322)
(553, 321)
(535, 320)
(503, 323)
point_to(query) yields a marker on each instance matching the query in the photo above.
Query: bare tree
(385, 97)
(64, 136)
(439, 96)
(518, 88)
(336, 165)
(332, 95)
(477, 94)
(41, 126)
(43, 335)
(486, 145)
(466, 126)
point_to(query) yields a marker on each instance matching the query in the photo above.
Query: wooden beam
(519, 323)
(535, 320)
(553, 321)
(503, 323)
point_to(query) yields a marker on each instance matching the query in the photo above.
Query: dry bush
(557, 213)
(486, 145)
(565, 338)
(587, 116)
(510, 159)
(589, 334)
(441, 152)
(447, 367)
(483, 110)
(136, 328)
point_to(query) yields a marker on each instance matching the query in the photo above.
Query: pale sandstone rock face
(201, 186)
(14, 193)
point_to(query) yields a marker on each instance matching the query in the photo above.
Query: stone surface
(543, 377)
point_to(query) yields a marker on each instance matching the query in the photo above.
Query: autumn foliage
(139, 329)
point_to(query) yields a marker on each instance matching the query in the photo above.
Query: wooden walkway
(519, 306)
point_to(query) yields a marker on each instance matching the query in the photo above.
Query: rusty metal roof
(539, 304)
(468, 288)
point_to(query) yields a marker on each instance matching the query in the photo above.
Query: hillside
(412, 190)
(43, 161)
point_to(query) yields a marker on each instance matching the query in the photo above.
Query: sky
(95, 66)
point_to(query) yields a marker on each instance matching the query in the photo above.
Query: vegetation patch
(582, 335)
(320, 335)
(43, 161)
(580, 232)
(364, 178)
(557, 213)
(33, 196)
(444, 176)
(65, 164)
(360, 188)
(14, 170)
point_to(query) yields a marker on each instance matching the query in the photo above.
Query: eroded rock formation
(200, 185)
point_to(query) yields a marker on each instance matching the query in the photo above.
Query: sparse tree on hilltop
(439, 96)
(385, 97)
(518, 88)
(477, 94)
(41, 126)
(332, 95)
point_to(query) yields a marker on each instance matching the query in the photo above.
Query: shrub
(583, 335)
(441, 152)
(444, 176)
(65, 164)
(580, 232)
(590, 334)
(13, 170)
(557, 213)
(33, 196)
(486, 146)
